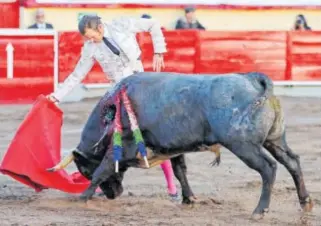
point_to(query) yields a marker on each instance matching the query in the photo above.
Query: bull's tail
(259, 81)
(278, 128)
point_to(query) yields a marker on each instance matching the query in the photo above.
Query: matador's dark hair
(88, 21)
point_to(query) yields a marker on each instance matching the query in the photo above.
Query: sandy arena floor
(144, 201)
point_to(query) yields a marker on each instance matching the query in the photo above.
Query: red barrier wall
(225, 52)
(9, 14)
(305, 55)
(33, 55)
(32, 71)
(281, 55)
(181, 51)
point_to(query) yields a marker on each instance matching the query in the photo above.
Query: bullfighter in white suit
(115, 47)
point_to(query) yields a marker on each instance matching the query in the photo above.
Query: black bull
(178, 114)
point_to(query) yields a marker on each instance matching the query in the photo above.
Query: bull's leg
(180, 169)
(254, 157)
(281, 152)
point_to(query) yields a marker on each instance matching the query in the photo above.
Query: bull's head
(87, 162)
(91, 157)
(108, 114)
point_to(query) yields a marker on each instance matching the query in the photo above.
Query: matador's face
(95, 35)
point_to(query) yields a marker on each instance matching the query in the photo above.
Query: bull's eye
(109, 116)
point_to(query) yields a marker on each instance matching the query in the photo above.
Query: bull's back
(186, 105)
(215, 91)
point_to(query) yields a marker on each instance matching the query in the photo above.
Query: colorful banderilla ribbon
(117, 136)
(134, 126)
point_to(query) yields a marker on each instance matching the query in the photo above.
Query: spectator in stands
(189, 21)
(301, 24)
(40, 21)
(147, 16)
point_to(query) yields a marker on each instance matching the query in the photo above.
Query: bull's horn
(146, 162)
(63, 163)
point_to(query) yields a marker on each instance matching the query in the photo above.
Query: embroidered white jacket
(123, 32)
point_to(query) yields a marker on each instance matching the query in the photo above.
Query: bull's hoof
(307, 206)
(259, 216)
(189, 201)
(84, 197)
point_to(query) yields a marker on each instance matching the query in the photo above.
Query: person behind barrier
(301, 24)
(40, 21)
(189, 21)
(114, 46)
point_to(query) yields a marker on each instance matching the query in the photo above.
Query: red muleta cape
(35, 147)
